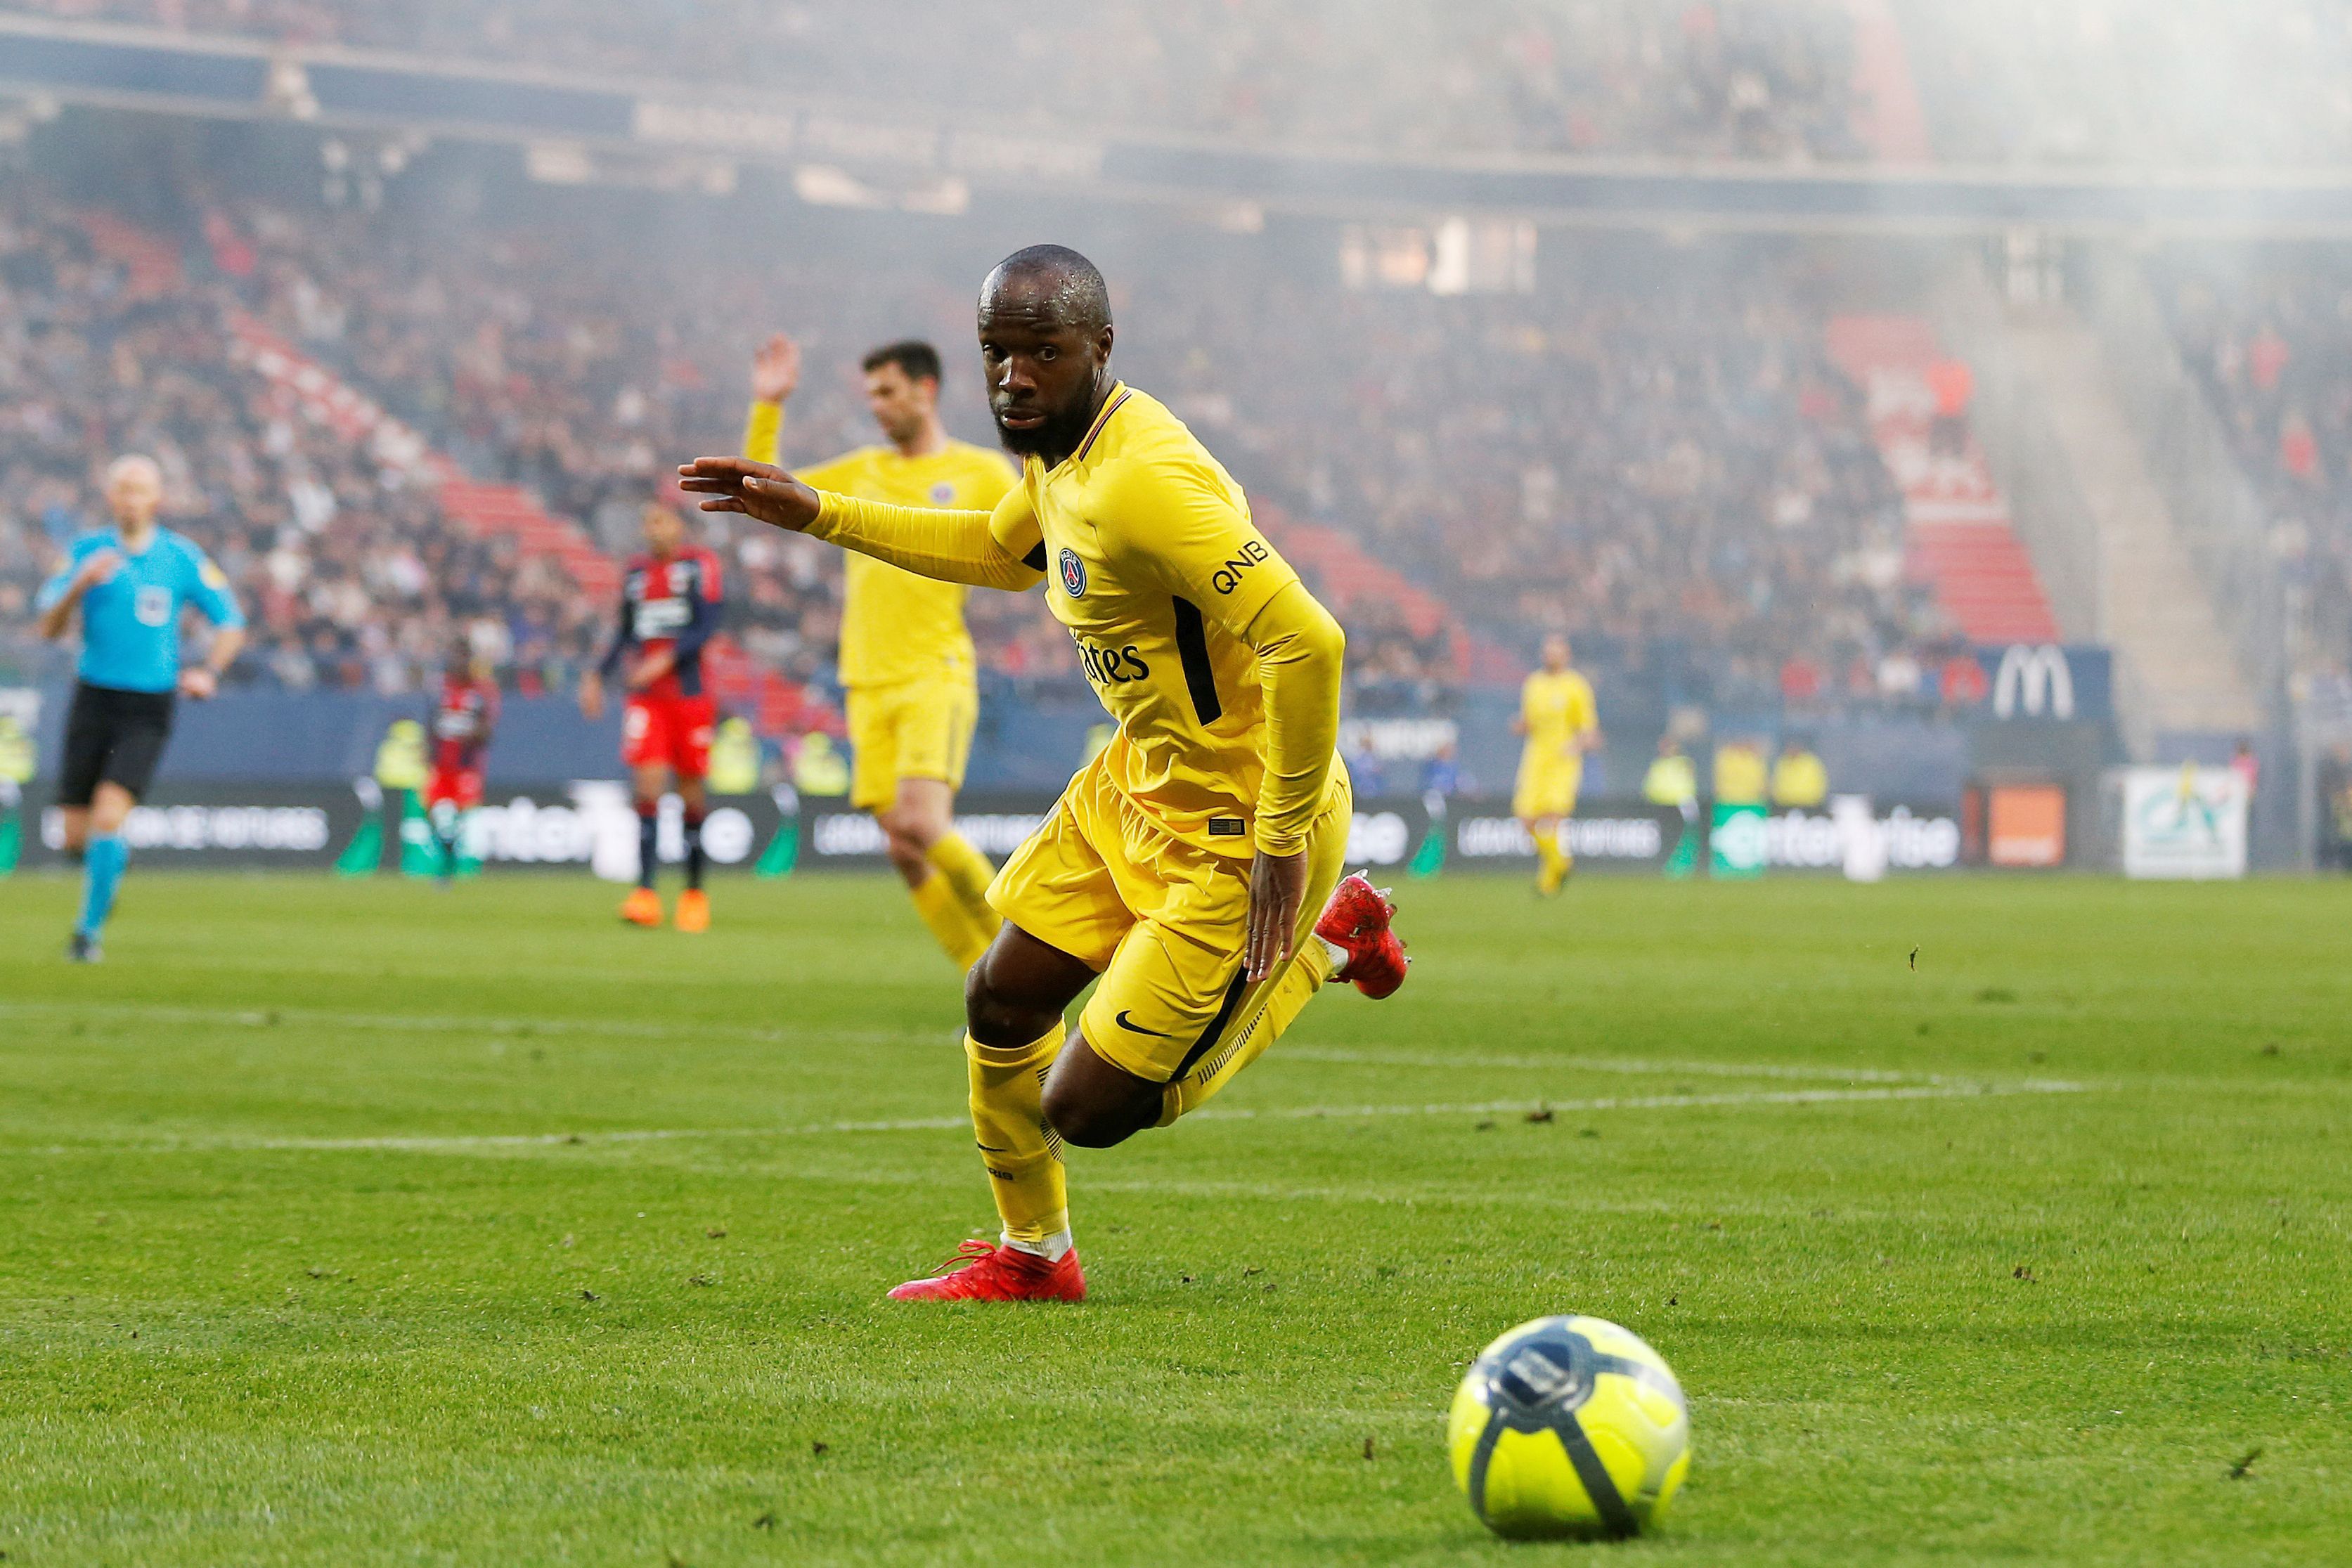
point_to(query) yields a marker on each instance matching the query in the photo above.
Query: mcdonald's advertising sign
(2048, 681)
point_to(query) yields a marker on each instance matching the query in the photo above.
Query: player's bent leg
(1266, 1012)
(1351, 941)
(1551, 870)
(932, 745)
(1020, 987)
(968, 871)
(1017, 1145)
(1571, 784)
(1094, 1104)
(643, 906)
(104, 859)
(920, 829)
(927, 818)
(1260, 1013)
(443, 814)
(693, 905)
(1014, 999)
(109, 808)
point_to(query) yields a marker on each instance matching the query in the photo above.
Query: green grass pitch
(361, 1224)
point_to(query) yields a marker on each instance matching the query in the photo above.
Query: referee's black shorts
(113, 736)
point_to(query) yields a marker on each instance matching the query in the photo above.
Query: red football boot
(1357, 921)
(987, 1272)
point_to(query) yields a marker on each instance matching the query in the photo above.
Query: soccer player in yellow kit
(1185, 862)
(1558, 717)
(906, 655)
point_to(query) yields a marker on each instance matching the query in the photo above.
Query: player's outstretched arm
(983, 549)
(760, 491)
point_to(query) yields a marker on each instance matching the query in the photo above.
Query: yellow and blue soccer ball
(1568, 1426)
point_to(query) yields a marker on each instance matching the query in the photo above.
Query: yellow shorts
(909, 729)
(1163, 922)
(1546, 787)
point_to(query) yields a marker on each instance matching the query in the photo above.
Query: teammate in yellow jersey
(1185, 863)
(1556, 715)
(905, 657)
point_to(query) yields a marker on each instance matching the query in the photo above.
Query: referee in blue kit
(129, 583)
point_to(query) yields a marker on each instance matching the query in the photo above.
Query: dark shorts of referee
(113, 736)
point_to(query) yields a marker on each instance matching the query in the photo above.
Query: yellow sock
(951, 923)
(1023, 1154)
(1265, 1012)
(1552, 868)
(967, 871)
(965, 866)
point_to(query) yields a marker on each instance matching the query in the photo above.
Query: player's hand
(651, 668)
(197, 681)
(775, 370)
(101, 567)
(757, 490)
(592, 696)
(1277, 889)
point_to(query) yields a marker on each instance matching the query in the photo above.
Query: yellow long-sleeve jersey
(1220, 668)
(896, 625)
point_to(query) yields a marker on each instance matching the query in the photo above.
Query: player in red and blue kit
(670, 599)
(464, 716)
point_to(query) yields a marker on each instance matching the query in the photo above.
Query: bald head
(1052, 277)
(1045, 344)
(134, 489)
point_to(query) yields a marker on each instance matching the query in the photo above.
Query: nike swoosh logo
(1124, 1022)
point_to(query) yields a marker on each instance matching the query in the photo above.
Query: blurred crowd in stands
(1746, 78)
(2269, 334)
(348, 570)
(1651, 453)
(1648, 452)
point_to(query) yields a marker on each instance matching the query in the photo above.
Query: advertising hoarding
(591, 824)
(2187, 822)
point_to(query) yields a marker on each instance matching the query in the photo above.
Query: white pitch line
(1600, 1064)
(495, 1142)
(633, 1029)
(1662, 1102)
(417, 1023)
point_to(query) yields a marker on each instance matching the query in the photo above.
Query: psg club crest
(1074, 574)
(943, 492)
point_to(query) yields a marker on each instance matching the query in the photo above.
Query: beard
(1054, 438)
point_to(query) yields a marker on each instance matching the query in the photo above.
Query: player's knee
(998, 1016)
(907, 853)
(1086, 1120)
(911, 833)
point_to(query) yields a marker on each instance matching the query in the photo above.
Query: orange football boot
(693, 911)
(642, 907)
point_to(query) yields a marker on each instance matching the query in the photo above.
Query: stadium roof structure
(579, 127)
